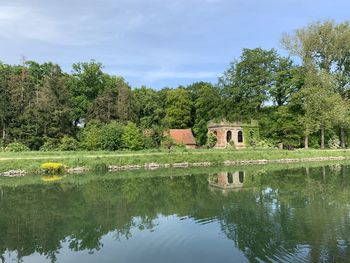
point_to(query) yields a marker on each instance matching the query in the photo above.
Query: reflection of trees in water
(270, 221)
(293, 216)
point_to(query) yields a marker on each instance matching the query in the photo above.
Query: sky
(156, 43)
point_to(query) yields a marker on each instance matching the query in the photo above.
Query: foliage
(50, 144)
(2, 145)
(132, 137)
(111, 136)
(168, 142)
(334, 143)
(212, 140)
(295, 105)
(90, 135)
(16, 147)
(68, 143)
(178, 108)
(52, 168)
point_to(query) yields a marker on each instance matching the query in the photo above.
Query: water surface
(228, 215)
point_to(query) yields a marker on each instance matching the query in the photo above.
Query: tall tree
(86, 82)
(246, 84)
(324, 47)
(178, 108)
(150, 110)
(206, 106)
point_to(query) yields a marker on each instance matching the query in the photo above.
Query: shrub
(2, 145)
(334, 143)
(49, 145)
(167, 142)
(232, 144)
(52, 168)
(90, 136)
(68, 144)
(264, 144)
(16, 147)
(211, 140)
(111, 136)
(132, 137)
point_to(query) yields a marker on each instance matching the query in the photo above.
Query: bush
(52, 168)
(49, 145)
(2, 145)
(167, 142)
(16, 147)
(334, 143)
(68, 144)
(111, 136)
(232, 144)
(132, 137)
(90, 136)
(264, 144)
(212, 140)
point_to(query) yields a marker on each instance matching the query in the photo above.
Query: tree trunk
(322, 137)
(306, 142)
(342, 137)
(4, 133)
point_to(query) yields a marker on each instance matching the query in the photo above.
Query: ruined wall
(227, 134)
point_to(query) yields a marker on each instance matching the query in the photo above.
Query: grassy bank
(78, 179)
(31, 161)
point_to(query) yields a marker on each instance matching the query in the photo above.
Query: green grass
(31, 161)
(81, 179)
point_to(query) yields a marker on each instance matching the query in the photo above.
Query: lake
(236, 214)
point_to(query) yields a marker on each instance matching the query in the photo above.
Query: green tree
(323, 46)
(150, 110)
(207, 106)
(86, 82)
(132, 137)
(287, 80)
(178, 108)
(246, 84)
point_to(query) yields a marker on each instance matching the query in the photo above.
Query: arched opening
(230, 178)
(241, 176)
(240, 136)
(228, 136)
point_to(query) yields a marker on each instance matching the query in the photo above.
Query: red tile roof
(182, 136)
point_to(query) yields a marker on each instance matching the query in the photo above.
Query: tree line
(299, 100)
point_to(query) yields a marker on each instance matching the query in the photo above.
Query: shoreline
(176, 165)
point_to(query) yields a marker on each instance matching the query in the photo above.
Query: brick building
(227, 134)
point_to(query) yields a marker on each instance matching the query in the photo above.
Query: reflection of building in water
(227, 180)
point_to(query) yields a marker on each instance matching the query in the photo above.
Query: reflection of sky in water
(172, 240)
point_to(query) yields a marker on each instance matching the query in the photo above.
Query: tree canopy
(297, 100)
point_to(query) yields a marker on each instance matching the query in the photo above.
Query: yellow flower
(51, 178)
(52, 167)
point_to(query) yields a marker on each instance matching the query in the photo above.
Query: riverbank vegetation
(32, 162)
(295, 104)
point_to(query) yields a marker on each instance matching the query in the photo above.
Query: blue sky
(156, 43)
